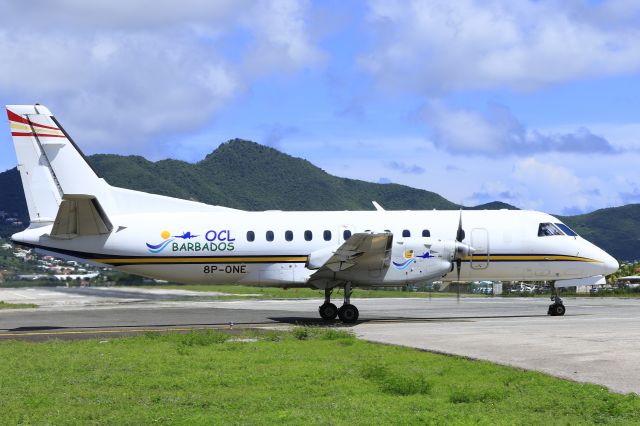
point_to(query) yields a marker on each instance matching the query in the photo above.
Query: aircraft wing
(361, 254)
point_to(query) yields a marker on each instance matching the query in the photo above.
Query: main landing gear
(328, 311)
(556, 309)
(347, 312)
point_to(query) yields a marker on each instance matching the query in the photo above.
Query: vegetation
(626, 270)
(246, 175)
(294, 293)
(616, 230)
(307, 376)
(5, 305)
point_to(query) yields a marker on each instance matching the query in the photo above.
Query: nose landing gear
(556, 309)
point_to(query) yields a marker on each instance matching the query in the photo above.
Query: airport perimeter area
(596, 342)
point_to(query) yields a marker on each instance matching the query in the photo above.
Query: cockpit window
(570, 232)
(548, 229)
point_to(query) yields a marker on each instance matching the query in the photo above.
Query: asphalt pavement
(597, 341)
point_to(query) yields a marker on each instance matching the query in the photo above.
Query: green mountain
(246, 175)
(249, 176)
(615, 230)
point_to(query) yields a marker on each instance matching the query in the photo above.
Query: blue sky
(535, 103)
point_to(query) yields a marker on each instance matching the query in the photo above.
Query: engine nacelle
(423, 259)
(412, 260)
(319, 257)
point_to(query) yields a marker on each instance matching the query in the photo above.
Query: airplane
(75, 213)
(186, 235)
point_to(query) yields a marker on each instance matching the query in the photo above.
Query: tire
(348, 314)
(328, 311)
(557, 310)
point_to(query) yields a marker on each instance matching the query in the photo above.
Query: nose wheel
(556, 309)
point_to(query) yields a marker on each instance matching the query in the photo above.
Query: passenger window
(251, 236)
(288, 235)
(327, 235)
(346, 235)
(548, 230)
(426, 233)
(308, 235)
(406, 233)
(269, 235)
(570, 232)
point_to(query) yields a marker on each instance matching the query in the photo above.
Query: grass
(5, 305)
(295, 293)
(307, 376)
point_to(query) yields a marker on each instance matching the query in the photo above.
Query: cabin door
(480, 242)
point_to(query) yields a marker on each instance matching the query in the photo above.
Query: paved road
(598, 341)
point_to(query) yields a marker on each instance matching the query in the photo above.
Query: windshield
(570, 232)
(548, 229)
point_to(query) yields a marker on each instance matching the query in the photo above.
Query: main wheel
(557, 310)
(328, 311)
(348, 313)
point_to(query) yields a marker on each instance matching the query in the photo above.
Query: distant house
(66, 277)
(31, 277)
(631, 281)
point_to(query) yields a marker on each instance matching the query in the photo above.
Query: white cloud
(466, 131)
(438, 46)
(556, 187)
(155, 69)
(540, 184)
(281, 40)
(402, 167)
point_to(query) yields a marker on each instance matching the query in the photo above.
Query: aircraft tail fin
(62, 189)
(50, 164)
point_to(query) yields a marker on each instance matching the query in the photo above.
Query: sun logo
(157, 248)
(408, 254)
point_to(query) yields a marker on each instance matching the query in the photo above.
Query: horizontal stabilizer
(80, 215)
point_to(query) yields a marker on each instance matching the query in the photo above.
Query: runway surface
(597, 341)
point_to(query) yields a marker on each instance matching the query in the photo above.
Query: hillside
(250, 176)
(616, 229)
(246, 175)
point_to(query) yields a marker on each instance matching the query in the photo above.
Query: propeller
(458, 256)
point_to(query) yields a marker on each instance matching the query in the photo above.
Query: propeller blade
(460, 232)
(459, 237)
(458, 265)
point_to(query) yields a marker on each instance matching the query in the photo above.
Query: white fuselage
(272, 248)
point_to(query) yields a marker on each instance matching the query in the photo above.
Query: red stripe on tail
(41, 135)
(15, 117)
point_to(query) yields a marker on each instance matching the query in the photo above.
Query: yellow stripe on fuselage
(284, 259)
(528, 258)
(132, 261)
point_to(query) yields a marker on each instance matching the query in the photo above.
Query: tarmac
(597, 341)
